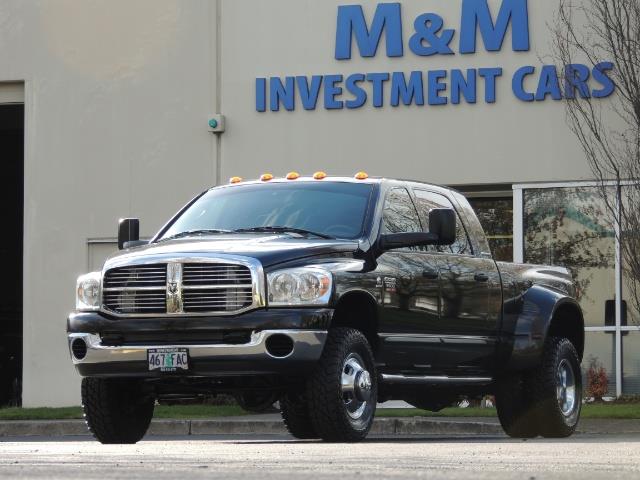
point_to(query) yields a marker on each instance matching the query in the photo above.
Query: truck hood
(269, 249)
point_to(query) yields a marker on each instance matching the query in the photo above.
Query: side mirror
(442, 223)
(442, 231)
(391, 241)
(128, 231)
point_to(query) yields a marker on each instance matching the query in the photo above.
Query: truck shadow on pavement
(275, 439)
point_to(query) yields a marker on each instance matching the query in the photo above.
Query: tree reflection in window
(568, 227)
(429, 200)
(496, 218)
(399, 214)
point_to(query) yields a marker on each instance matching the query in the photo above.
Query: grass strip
(598, 410)
(161, 411)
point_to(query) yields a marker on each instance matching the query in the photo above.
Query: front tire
(343, 390)
(117, 411)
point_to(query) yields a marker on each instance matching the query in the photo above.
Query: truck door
(408, 279)
(470, 296)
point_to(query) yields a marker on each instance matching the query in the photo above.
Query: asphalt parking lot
(264, 457)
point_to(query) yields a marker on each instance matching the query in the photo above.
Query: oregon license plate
(168, 359)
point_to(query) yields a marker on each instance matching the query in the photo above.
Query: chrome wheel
(566, 388)
(356, 386)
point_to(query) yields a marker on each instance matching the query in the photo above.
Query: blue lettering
(427, 27)
(576, 77)
(357, 91)
(548, 84)
(309, 94)
(476, 16)
(331, 91)
(436, 86)
(378, 79)
(261, 94)
(463, 87)
(490, 75)
(414, 91)
(600, 75)
(517, 84)
(282, 93)
(351, 23)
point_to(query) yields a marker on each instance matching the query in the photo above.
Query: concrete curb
(381, 426)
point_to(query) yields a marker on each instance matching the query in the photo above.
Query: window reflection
(496, 217)
(569, 227)
(426, 201)
(399, 214)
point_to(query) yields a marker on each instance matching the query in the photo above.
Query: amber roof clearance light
(235, 179)
(265, 177)
(293, 176)
(361, 176)
(319, 175)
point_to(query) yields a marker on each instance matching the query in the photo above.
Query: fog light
(79, 349)
(279, 345)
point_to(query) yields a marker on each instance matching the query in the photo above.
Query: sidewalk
(272, 424)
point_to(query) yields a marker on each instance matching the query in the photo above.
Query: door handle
(430, 274)
(481, 277)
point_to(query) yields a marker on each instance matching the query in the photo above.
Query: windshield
(330, 209)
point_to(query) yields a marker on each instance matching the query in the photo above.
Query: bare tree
(592, 32)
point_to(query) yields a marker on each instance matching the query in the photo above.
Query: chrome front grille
(198, 274)
(174, 288)
(136, 289)
(216, 287)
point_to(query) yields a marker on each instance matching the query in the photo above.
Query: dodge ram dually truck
(327, 294)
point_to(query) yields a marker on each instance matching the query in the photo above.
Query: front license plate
(168, 359)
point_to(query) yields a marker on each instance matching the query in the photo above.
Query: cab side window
(399, 214)
(428, 200)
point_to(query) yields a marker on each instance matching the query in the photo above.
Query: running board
(434, 380)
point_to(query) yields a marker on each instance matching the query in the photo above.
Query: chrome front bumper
(247, 358)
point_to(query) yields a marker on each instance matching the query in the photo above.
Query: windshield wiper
(270, 229)
(188, 233)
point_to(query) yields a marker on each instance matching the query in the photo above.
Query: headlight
(88, 291)
(299, 286)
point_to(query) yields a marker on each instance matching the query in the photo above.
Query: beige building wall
(117, 97)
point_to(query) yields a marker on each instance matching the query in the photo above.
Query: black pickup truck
(329, 295)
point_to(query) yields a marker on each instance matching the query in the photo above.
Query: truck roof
(341, 179)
